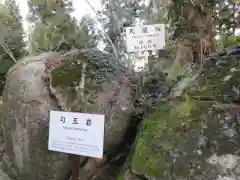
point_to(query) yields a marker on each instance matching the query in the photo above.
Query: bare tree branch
(7, 50)
(3, 44)
(103, 32)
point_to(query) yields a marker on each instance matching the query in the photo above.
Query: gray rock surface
(196, 137)
(34, 86)
(113, 100)
(3, 176)
(26, 105)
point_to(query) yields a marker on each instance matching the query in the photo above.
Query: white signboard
(146, 37)
(76, 133)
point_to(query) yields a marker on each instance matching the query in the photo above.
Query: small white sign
(76, 133)
(144, 38)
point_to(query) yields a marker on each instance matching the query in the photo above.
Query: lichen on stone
(218, 79)
(182, 137)
(160, 143)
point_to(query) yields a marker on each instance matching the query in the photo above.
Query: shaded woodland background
(194, 29)
(156, 113)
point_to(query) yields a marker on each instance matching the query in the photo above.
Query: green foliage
(11, 39)
(183, 14)
(88, 26)
(45, 9)
(62, 33)
(101, 66)
(195, 24)
(15, 39)
(117, 15)
(227, 41)
(227, 23)
(12, 31)
(56, 30)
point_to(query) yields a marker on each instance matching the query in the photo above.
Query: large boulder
(196, 136)
(3, 176)
(111, 98)
(51, 81)
(26, 105)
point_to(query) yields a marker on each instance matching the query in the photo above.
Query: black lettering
(157, 29)
(71, 128)
(136, 47)
(75, 121)
(131, 31)
(62, 119)
(71, 138)
(88, 122)
(144, 30)
(81, 140)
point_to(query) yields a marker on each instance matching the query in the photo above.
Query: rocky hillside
(192, 136)
(196, 136)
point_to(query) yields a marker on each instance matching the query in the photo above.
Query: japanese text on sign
(76, 133)
(147, 37)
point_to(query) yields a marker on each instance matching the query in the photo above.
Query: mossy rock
(25, 120)
(179, 138)
(97, 97)
(66, 77)
(67, 73)
(197, 137)
(219, 77)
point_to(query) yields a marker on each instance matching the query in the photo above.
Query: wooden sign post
(75, 166)
(79, 134)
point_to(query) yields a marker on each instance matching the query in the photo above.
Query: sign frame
(76, 133)
(145, 38)
(60, 117)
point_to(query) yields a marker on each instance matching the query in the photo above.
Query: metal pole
(75, 167)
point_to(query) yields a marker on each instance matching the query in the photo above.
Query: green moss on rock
(178, 139)
(125, 168)
(9, 169)
(66, 74)
(218, 80)
(169, 144)
(163, 137)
